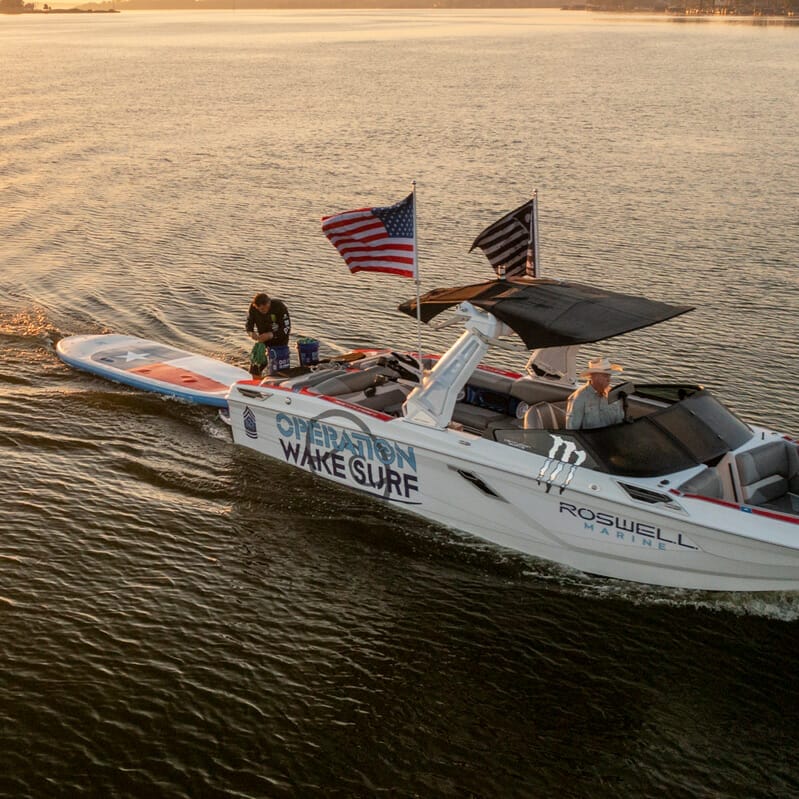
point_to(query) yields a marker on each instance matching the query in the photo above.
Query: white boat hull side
(582, 529)
(593, 525)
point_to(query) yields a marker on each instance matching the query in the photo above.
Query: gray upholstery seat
(707, 484)
(503, 423)
(501, 384)
(311, 378)
(544, 416)
(768, 472)
(355, 380)
(474, 418)
(533, 391)
(388, 398)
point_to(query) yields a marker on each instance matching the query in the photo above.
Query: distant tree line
(138, 5)
(703, 7)
(15, 6)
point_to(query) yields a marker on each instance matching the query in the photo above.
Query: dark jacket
(277, 321)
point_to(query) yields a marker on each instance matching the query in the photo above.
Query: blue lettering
(282, 420)
(346, 443)
(384, 451)
(316, 434)
(364, 444)
(329, 442)
(331, 437)
(407, 456)
(300, 427)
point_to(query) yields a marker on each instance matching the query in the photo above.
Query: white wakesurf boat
(682, 494)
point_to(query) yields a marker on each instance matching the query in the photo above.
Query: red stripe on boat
(494, 370)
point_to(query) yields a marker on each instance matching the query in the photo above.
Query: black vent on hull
(478, 483)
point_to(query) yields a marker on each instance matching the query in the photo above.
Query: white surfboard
(152, 366)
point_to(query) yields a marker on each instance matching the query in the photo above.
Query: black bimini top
(551, 313)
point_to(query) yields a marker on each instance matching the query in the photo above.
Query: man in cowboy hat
(588, 406)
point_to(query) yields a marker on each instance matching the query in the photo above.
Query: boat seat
(707, 484)
(501, 384)
(311, 378)
(490, 390)
(474, 418)
(768, 473)
(788, 503)
(355, 380)
(387, 398)
(534, 391)
(503, 423)
(545, 416)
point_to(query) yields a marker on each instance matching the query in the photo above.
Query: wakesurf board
(152, 366)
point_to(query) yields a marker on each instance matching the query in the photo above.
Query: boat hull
(517, 499)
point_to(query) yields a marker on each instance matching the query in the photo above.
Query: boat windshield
(696, 430)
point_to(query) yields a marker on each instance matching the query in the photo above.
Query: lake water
(183, 618)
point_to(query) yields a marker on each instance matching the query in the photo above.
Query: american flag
(375, 239)
(509, 243)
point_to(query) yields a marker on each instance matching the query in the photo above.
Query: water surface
(184, 618)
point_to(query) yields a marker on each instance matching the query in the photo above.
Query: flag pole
(418, 286)
(534, 234)
(531, 262)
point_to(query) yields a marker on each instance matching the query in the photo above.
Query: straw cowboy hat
(601, 366)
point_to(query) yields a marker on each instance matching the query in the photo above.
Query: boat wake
(775, 605)
(558, 579)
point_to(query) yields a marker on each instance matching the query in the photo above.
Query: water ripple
(184, 618)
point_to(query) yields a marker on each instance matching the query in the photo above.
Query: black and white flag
(510, 243)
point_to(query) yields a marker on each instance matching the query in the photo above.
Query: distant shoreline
(740, 14)
(18, 11)
(744, 11)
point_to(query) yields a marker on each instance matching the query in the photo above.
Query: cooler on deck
(308, 350)
(279, 358)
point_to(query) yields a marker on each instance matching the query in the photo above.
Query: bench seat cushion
(533, 391)
(474, 418)
(706, 484)
(767, 472)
